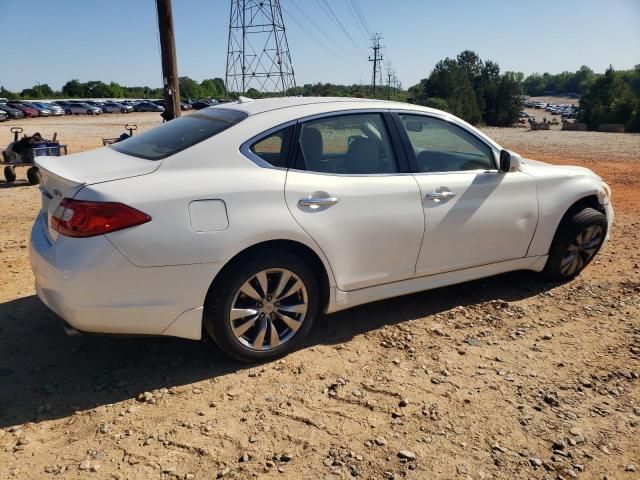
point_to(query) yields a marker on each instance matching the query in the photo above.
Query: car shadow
(16, 184)
(344, 325)
(45, 374)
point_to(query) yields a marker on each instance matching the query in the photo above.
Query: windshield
(174, 136)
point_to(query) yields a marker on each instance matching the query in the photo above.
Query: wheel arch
(552, 222)
(309, 255)
(588, 201)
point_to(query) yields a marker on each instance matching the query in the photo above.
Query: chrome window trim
(494, 150)
(245, 148)
(357, 175)
(335, 113)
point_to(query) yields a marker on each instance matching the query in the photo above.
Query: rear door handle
(440, 195)
(311, 202)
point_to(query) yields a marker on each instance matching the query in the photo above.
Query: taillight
(79, 218)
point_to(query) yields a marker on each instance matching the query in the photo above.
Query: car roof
(254, 107)
(289, 108)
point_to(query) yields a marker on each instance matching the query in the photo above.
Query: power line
(333, 17)
(355, 17)
(313, 37)
(310, 20)
(362, 17)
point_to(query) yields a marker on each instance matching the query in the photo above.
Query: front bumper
(94, 288)
(608, 211)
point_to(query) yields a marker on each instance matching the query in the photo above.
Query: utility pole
(171, 87)
(377, 63)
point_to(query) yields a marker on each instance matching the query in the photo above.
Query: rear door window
(352, 144)
(274, 148)
(179, 134)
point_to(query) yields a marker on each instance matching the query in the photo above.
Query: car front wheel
(264, 306)
(577, 241)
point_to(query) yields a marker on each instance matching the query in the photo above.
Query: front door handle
(442, 195)
(311, 202)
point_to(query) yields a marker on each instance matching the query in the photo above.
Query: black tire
(10, 174)
(221, 296)
(566, 238)
(33, 175)
(123, 110)
(67, 112)
(89, 112)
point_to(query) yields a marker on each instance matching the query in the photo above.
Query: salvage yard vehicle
(115, 107)
(78, 108)
(54, 109)
(26, 110)
(245, 220)
(3, 116)
(11, 112)
(42, 112)
(147, 107)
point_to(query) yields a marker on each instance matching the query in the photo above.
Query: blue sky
(51, 41)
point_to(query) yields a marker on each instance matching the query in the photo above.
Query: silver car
(54, 109)
(78, 108)
(115, 107)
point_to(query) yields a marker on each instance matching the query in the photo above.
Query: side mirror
(509, 161)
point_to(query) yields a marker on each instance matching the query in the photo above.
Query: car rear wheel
(264, 306)
(89, 112)
(577, 241)
(67, 112)
(10, 174)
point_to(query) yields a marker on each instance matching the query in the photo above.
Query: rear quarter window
(179, 134)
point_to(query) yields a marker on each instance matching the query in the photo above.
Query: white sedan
(246, 220)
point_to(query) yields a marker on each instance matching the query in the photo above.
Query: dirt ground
(508, 377)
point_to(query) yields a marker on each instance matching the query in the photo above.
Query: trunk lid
(65, 176)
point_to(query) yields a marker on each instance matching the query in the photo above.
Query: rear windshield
(174, 136)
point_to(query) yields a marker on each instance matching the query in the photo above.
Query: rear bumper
(94, 288)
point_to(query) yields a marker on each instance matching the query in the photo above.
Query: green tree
(189, 88)
(449, 82)
(612, 98)
(116, 91)
(41, 90)
(9, 95)
(97, 89)
(213, 88)
(253, 93)
(73, 89)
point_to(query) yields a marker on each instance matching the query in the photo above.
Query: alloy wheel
(268, 309)
(582, 250)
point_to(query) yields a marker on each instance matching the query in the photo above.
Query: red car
(28, 111)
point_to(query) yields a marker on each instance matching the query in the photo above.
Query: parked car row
(26, 109)
(566, 110)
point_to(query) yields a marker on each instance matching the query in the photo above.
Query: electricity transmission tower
(258, 52)
(390, 74)
(377, 63)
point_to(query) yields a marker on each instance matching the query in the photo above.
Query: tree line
(189, 89)
(471, 89)
(466, 86)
